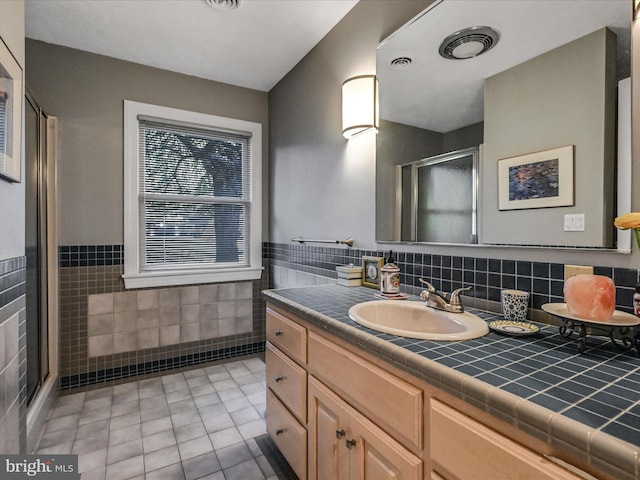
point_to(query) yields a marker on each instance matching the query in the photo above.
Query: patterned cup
(514, 305)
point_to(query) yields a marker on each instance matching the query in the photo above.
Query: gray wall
(12, 194)
(564, 97)
(12, 271)
(323, 185)
(86, 92)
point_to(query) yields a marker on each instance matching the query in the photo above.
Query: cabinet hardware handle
(340, 434)
(279, 431)
(278, 333)
(278, 378)
(350, 444)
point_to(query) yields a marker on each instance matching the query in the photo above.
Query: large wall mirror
(541, 89)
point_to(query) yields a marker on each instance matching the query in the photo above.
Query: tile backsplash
(108, 333)
(487, 276)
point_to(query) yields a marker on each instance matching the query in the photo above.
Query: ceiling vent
(222, 4)
(469, 43)
(401, 63)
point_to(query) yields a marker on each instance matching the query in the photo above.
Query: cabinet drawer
(393, 404)
(288, 381)
(287, 335)
(289, 436)
(463, 448)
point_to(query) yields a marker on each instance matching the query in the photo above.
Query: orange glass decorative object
(590, 297)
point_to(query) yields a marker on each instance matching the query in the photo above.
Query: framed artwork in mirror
(536, 180)
(10, 115)
(371, 267)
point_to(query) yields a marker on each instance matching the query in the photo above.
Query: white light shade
(359, 105)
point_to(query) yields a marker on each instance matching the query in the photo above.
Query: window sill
(168, 279)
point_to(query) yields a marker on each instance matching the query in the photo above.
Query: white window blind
(192, 197)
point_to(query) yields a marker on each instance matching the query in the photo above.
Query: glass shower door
(36, 247)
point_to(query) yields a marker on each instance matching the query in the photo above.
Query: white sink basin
(415, 320)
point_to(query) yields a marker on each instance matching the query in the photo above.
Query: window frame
(133, 276)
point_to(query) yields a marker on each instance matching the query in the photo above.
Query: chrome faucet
(432, 298)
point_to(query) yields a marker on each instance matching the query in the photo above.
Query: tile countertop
(586, 404)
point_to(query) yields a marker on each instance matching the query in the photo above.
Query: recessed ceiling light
(222, 4)
(469, 43)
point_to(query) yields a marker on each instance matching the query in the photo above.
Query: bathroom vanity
(348, 402)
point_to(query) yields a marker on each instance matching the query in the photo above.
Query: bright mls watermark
(51, 467)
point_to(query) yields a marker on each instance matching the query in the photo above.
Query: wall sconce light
(359, 105)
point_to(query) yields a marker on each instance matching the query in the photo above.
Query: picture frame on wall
(537, 180)
(11, 94)
(371, 270)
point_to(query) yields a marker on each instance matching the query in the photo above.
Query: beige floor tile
(123, 451)
(195, 447)
(181, 426)
(161, 458)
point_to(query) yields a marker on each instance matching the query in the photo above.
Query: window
(192, 197)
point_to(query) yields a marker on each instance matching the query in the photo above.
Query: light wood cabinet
(287, 381)
(288, 335)
(328, 455)
(344, 444)
(337, 414)
(288, 434)
(286, 357)
(370, 389)
(462, 448)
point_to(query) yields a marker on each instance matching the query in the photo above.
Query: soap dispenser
(390, 277)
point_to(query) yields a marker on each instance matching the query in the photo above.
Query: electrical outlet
(574, 222)
(573, 270)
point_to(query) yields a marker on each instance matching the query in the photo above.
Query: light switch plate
(574, 222)
(573, 270)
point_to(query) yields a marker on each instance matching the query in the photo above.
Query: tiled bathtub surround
(487, 276)
(12, 355)
(203, 325)
(136, 320)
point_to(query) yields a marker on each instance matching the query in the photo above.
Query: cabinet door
(462, 448)
(377, 456)
(370, 389)
(328, 423)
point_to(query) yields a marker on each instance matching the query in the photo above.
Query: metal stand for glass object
(623, 337)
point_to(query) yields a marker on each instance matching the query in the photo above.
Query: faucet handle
(430, 287)
(455, 295)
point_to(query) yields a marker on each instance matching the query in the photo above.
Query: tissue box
(349, 271)
(349, 275)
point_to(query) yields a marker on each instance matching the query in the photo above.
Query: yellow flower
(628, 220)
